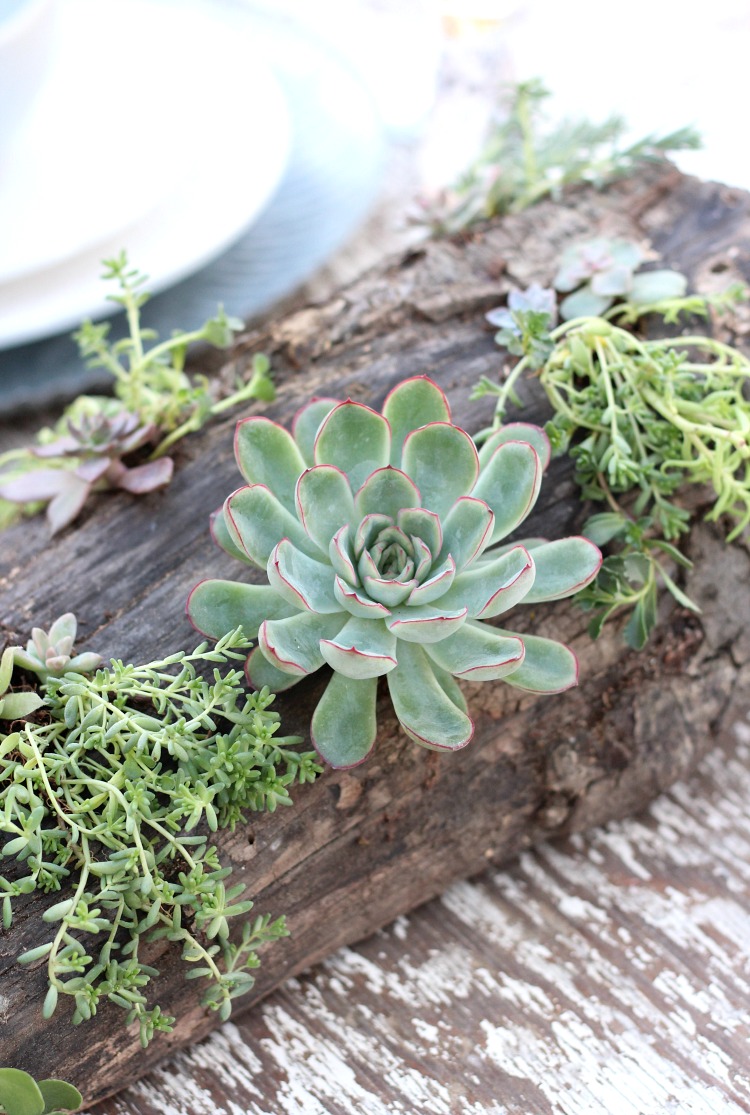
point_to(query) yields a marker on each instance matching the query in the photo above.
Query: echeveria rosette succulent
(381, 538)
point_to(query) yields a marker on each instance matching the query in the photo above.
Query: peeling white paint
(607, 977)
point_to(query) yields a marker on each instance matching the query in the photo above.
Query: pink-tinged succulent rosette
(382, 539)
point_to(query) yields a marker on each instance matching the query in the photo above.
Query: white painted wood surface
(606, 976)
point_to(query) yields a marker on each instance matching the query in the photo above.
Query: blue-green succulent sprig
(107, 797)
(641, 419)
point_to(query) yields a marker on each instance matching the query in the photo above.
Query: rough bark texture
(360, 847)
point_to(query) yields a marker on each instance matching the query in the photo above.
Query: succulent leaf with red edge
(380, 535)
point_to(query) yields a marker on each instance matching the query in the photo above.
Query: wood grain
(605, 973)
(361, 847)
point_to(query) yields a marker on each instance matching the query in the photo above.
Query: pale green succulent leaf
(10, 656)
(423, 559)
(368, 530)
(467, 529)
(656, 286)
(14, 706)
(529, 544)
(355, 439)
(307, 422)
(257, 522)
(478, 652)
(356, 602)
(563, 568)
(584, 303)
(260, 672)
(615, 281)
(625, 252)
(425, 711)
(425, 624)
(363, 648)
(293, 645)
(366, 566)
(436, 585)
(344, 723)
(517, 431)
(267, 454)
(414, 402)
(84, 663)
(418, 522)
(19, 1093)
(26, 661)
(493, 587)
(23, 659)
(450, 687)
(509, 484)
(548, 666)
(59, 1094)
(324, 503)
(217, 607)
(341, 555)
(442, 461)
(300, 580)
(223, 539)
(386, 491)
(64, 627)
(391, 593)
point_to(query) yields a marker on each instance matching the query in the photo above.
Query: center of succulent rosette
(392, 561)
(392, 555)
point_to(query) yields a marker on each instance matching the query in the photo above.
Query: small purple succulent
(95, 443)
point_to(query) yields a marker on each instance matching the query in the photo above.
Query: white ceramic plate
(159, 131)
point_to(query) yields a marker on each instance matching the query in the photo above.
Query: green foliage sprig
(155, 404)
(105, 792)
(20, 1094)
(522, 163)
(644, 417)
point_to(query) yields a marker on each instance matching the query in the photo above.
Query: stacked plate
(172, 131)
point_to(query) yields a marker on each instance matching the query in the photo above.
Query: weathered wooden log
(362, 846)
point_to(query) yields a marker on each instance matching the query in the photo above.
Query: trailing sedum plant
(109, 792)
(642, 418)
(383, 540)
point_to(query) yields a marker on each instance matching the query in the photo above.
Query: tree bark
(362, 846)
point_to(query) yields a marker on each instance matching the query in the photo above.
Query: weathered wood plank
(606, 973)
(362, 846)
